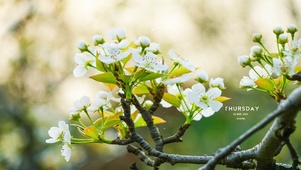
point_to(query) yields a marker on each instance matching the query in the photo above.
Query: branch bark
(267, 148)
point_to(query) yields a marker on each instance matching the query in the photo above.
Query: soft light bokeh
(38, 41)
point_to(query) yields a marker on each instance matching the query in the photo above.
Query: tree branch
(267, 148)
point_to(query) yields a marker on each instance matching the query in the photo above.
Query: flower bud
(82, 46)
(292, 29)
(278, 30)
(74, 116)
(283, 39)
(244, 60)
(255, 52)
(97, 39)
(154, 48)
(144, 41)
(148, 104)
(218, 82)
(201, 77)
(257, 37)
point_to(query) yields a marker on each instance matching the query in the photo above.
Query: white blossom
(117, 34)
(183, 62)
(114, 52)
(180, 79)
(83, 61)
(149, 62)
(205, 100)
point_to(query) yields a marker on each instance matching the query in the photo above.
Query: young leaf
(141, 89)
(99, 64)
(105, 78)
(172, 99)
(91, 132)
(179, 71)
(140, 122)
(108, 122)
(150, 76)
(222, 99)
(265, 83)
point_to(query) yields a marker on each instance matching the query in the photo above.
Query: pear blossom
(244, 60)
(102, 99)
(260, 72)
(286, 67)
(255, 52)
(205, 100)
(154, 48)
(283, 38)
(66, 151)
(78, 106)
(201, 76)
(117, 34)
(278, 30)
(83, 61)
(61, 133)
(254, 74)
(257, 37)
(97, 39)
(143, 41)
(247, 82)
(114, 52)
(295, 50)
(292, 29)
(82, 46)
(181, 79)
(217, 82)
(183, 62)
(149, 62)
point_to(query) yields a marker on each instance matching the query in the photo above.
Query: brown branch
(147, 117)
(177, 137)
(265, 151)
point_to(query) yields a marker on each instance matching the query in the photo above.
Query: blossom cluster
(134, 69)
(272, 72)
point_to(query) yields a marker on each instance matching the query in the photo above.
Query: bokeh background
(38, 41)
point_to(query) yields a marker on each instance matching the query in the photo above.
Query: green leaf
(141, 89)
(179, 71)
(126, 59)
(105, 78)
(265, 83)
(150, 76)
(108, 122)
(140, 122)
(172, 99)
(99, 64)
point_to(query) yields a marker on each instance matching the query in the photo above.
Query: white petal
(54, 132)
(165, 104)
(199, 89)
(215, 105)
(201, 105)
(207, 112)
(66, 152)
(214, 93)
(192, 97)
(80, 58)
(63, 126)
(79, 71)
(85, 100)
(107, 60)
(137, 58)
(197, 117)
(277, 64)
